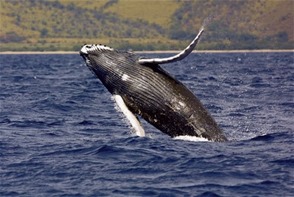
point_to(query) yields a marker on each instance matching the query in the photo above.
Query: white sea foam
(191, 138)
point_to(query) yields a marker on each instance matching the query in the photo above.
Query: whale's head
(99, 56)
(108, 64)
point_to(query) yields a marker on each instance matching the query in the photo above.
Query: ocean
(61, 135)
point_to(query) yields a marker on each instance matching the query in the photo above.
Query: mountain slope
(239, 24)
(141, 25)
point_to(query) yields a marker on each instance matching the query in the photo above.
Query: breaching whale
(141, 87)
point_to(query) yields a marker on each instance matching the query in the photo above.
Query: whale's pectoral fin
(176, 57)
(130, 116)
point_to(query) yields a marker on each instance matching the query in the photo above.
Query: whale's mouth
(84, 50)
(84, 55)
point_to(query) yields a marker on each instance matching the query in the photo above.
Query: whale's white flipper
(177, 57)
(130, 116)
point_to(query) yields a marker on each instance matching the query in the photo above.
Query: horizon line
(155, 51)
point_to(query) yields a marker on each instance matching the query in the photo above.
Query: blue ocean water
(60, 134)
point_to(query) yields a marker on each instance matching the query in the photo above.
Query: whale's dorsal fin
(176, 57)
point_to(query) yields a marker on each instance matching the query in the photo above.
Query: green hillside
(240, 24)
(145, 24)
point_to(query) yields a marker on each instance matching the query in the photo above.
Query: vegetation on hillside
(243, 24)
(146, 24)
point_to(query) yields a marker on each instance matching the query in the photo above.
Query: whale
(141, 88)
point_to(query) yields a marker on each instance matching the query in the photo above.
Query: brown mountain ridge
(145, 25)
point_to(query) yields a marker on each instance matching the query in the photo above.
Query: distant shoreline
(149, 52)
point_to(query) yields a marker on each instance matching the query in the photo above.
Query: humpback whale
(140, 87)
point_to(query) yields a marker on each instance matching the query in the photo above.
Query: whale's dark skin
(153, 94)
